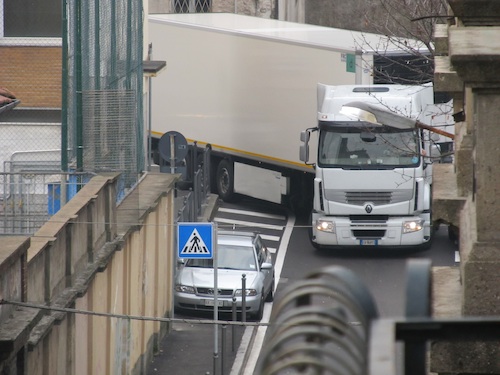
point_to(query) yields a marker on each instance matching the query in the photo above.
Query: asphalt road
(383, 271)
(190, 348)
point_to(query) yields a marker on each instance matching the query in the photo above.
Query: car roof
(234, 237)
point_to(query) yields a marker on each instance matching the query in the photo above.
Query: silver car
(238, 253)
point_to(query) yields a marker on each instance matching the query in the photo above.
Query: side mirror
(435, 151)
(304, 153)
(434, 137)
(304, 148)
(266, 266)
(304, 136)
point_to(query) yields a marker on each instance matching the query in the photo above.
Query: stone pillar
(474, 60)
(481, 268)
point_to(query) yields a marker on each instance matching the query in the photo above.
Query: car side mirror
(266, 266)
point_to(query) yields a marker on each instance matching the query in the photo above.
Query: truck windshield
(368, 148)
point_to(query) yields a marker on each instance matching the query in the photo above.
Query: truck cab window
(343, 147)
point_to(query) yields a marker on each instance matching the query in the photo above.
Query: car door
(264, 256)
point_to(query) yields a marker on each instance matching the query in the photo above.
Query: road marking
(261, 330)
(267, 237)
(235, 223)
(457, 256)
(251, 213)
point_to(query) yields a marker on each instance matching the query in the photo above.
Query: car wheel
(258, 315)
(270, 295)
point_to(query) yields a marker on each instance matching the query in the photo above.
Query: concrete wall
(95, 256)
(13, 264)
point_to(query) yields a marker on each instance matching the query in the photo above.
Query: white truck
(247, 87)
(373, 166)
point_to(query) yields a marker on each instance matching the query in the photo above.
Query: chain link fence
(31, 193)
(103, 96)
(76, 71)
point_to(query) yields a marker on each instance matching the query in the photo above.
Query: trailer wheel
(225, 180)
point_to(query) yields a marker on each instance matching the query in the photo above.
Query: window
(192, 6)
(261, 251)
(28, 18)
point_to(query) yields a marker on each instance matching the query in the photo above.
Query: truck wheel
(225, 180)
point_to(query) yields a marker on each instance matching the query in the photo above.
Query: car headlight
(184, 289)
(412, 226)
(325, 225)
(248, 292)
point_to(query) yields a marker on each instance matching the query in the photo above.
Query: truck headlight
(412, 226)
(184, 289)
(248, 292)
(325, 225)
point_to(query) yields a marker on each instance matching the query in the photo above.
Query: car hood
(204, 277)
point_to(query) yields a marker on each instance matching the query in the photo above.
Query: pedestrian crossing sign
(195, 240)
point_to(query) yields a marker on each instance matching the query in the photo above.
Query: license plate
(211, 302)
(368, 242)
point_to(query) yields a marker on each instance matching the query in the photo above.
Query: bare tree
(403, 20)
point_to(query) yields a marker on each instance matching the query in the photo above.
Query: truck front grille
(361, 197)
(360, 220)
(372, 234)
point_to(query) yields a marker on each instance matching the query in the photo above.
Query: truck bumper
(346, 233)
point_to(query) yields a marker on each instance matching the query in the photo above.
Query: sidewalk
(189, 347)
(189, 350)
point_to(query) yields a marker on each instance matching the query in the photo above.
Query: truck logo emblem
(368, 208)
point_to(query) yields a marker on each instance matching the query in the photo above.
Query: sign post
(216, 307)
(198, 240)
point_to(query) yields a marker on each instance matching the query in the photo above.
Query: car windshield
(229, 257)
(368, 148)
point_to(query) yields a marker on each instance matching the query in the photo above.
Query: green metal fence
(102, 116)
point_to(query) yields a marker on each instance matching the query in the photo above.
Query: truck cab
(373, 176)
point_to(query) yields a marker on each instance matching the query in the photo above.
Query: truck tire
(225, 180)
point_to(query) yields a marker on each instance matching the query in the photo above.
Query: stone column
(474, 57)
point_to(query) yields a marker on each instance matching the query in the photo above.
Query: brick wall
(33, 74)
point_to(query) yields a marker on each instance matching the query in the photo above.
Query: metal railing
(198, 178)
(321, 325)
(328, 324)
(30, 196)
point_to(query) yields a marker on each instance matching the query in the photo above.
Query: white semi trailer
(373, 166)
(247, 87)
